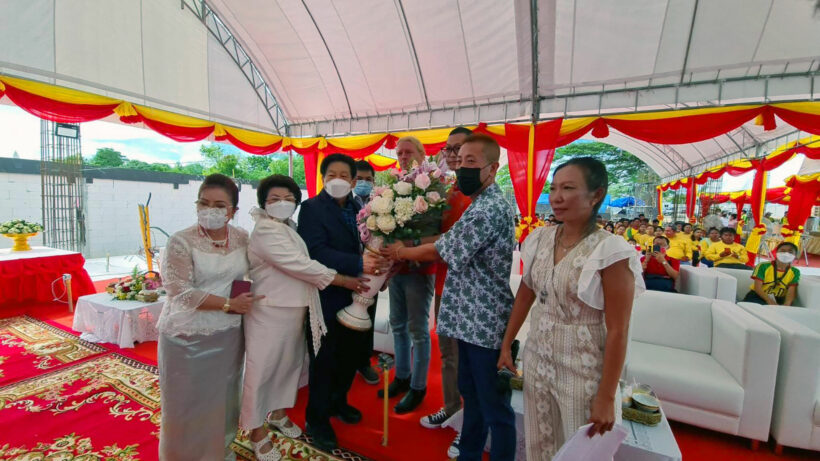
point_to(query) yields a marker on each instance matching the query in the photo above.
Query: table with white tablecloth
(100, 318)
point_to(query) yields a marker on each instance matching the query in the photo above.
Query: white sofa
(712, 364)
(796, 412)
(706, 282)
(808, 291)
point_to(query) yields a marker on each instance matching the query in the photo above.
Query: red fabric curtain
(311, 169)
(518, 143)
(691, 198)
(682, 130)
(257, 150)
(809, 123)
(57, 111)
(804, 195)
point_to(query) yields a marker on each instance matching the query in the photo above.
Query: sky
(20, 132)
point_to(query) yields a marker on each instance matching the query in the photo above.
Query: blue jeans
(484, 407)
(410, 298)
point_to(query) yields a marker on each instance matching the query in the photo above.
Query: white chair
(796, 412)
(712, 364)
(382, 334)
(706, 282)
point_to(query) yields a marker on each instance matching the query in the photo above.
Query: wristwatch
(227, 306)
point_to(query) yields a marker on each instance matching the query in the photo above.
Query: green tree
(504, 181)
(254, 167)
(624, 169)
(219, 161)
(108, 157)
(279, 165)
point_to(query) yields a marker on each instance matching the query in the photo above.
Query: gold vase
(20, 241)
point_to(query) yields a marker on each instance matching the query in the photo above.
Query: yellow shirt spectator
(727, 253)
(680, 245)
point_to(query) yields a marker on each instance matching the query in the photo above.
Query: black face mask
(469, 179)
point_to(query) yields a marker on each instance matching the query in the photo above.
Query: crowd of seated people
(665, 249)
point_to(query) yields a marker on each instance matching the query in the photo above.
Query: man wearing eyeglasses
(458, 202)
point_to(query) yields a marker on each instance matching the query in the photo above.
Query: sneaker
(435, 420)
(453, 451)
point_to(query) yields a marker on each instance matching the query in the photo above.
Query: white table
(102, 319)
(643, 443)
(649, 443)
(36, 252)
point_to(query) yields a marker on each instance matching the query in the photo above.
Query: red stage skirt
(29, 280)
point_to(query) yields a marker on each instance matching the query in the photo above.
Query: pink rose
(395, 173)
(422, 181)
(433, 197)
(379, 190)
(436, 173)
(420, 205)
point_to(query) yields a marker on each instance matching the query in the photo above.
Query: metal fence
(61, 183)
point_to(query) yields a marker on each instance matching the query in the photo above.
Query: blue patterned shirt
(477, 298)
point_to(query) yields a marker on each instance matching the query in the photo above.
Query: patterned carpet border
(60, 331)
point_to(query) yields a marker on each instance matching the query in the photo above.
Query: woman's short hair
(277, 180)
(787, 244)
(220, 181)
(342, 158)
(595, 176)
(414, 141)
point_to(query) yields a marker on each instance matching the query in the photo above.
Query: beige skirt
(275, 352)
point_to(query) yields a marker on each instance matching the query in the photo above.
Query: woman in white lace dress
(282, 271)
(582, 281)
(201, 343)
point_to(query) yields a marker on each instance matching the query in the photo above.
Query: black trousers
(332, 372)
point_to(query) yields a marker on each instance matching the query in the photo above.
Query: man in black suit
(327, 224)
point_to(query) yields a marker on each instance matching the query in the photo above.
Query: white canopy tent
(335, 67)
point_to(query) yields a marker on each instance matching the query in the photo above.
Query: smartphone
(656, 248)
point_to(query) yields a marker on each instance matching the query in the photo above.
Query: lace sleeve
(529, 249)
(609, 250)
(178, 277)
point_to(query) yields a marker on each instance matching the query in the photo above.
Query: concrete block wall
(112, 216)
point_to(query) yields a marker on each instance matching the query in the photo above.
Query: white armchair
(712, 364)
(706, 282)
(796, 412)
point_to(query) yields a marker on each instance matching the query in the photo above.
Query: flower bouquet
(408, 207)
(142, 287)
(20, 231)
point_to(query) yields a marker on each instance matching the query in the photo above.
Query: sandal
(281, 425)
(272, 455)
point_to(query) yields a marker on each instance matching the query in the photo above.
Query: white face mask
(280, 210)
(212, 218)
(337, 188)
(785, 258)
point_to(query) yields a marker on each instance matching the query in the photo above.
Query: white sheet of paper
(580, 447)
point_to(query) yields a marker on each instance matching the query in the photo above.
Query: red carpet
(408, 439)
(31, 347)
(104, 408)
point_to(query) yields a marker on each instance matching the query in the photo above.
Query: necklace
(217, 243)
(560, 239)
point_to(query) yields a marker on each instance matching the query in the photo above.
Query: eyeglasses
(450, 149)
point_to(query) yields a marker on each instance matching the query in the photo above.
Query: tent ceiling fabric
(150, 52)
(353, 66)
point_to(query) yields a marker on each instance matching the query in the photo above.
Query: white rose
(386, 223)
(381, 205)
(388, 194)
(403, 188)
(371, 222)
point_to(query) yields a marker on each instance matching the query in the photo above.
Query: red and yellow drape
(805, 193)
(668, 127)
